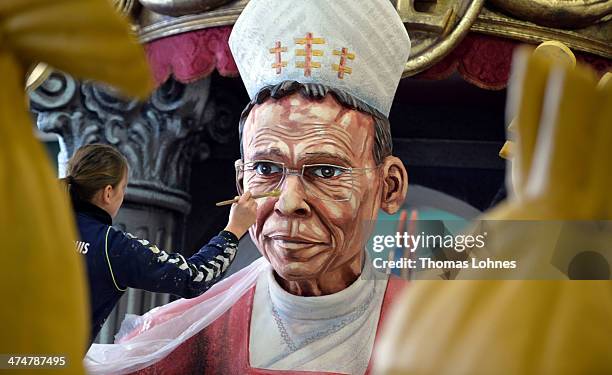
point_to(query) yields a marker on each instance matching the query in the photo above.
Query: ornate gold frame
(591, 39)
(154, 26)
(595, 39)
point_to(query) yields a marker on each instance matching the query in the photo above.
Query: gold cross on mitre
(342, 68)
(277, 50)
(308, 53)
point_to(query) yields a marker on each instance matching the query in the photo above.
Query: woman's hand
(242, 215)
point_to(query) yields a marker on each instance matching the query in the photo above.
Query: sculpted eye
(267, 168)
(327, 171)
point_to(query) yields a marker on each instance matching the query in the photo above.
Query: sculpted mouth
(298, 247)
(296, 240)
(287, 239)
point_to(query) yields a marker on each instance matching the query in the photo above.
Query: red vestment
(223, 347)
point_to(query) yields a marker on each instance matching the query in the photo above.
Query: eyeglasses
(321, 181)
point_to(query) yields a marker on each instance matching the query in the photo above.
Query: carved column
(159, 139)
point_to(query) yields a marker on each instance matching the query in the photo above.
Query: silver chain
(349, 318)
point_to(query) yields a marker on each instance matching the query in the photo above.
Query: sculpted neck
(330, 282)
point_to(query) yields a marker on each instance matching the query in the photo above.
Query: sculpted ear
(395, 184)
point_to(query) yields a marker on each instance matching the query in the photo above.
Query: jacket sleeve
(136, 263)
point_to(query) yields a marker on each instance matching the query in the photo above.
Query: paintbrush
(273, 193)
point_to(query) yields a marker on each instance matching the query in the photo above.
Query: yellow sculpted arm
(555, 326)
(42, 281)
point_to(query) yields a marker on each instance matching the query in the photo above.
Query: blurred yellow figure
(561, 171)
(552, 50)
(42, 281)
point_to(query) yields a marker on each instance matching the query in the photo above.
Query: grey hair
(383, 146)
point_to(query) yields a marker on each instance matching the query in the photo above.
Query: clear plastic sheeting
(144, 340)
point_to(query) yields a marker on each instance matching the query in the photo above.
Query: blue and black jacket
(118, 260)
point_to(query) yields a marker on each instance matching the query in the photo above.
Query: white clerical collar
(331, 306)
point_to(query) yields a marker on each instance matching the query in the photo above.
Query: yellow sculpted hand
(42, 280)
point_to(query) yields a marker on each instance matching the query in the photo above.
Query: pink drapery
(192, 56)
(485, 61)
(480, 59)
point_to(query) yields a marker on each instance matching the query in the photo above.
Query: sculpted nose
(292, 201)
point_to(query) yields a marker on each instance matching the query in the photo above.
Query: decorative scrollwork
(557, 13)
(103, 99)
(221, 118)
(435, 28)
(72, 127)
(55, 92)
(169, 97)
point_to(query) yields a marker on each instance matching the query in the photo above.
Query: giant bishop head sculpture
(321, 76)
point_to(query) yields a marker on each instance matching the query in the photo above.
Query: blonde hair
(92, 168)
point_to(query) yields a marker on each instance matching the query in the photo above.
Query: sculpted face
(303, 236)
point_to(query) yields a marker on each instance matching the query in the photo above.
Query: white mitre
(358, 46)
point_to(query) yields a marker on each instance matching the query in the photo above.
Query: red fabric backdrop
(480, 59)
(192, 56)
